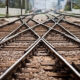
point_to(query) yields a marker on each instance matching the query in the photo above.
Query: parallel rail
(70, 36)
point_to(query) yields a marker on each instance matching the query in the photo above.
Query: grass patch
(2, 15)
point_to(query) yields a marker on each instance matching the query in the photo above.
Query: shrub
(2, 5)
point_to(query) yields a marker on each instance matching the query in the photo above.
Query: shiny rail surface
(44, 50)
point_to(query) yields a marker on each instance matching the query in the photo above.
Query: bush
(76, 7)
(2, 5)
(67, 8)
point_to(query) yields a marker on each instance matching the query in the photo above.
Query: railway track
(36, 50)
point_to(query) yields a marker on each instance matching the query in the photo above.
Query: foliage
(76, 4)
(1, 15)
(16, 3)
(76, 7)
(2, 5)
(68, 6)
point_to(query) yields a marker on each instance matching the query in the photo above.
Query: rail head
(14, 66)
(8, 71)
(4, 75)
(61, 58)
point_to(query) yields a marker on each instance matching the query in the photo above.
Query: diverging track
(46, 50)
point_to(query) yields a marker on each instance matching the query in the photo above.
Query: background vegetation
(13, 3)
(75, 5)
(2, 4)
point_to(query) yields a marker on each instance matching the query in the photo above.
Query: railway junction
(40, 46)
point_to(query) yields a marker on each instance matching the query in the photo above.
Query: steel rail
(13, 32)
(59, 25)
(23, 18)
(68, 32)
(62, 59)
(37, 24)
(57, 18)
(9, 38)
(14, 36)
(75, 15)
(70, 66)
(9, 23)
(45, 25)
(52, 15)
(63, 33)
(41, 22)
(66, 29)
(10, 69)
(52, 28)
(78, 25)
(30, 28)
(19, 60)
(44, 21)
(4, 25)
(29, 50)
(70, 37)
(36, 13)
(75, 71)
(49, 16)
(60, 19)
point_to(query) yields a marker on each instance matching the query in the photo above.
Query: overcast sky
(40, 4)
